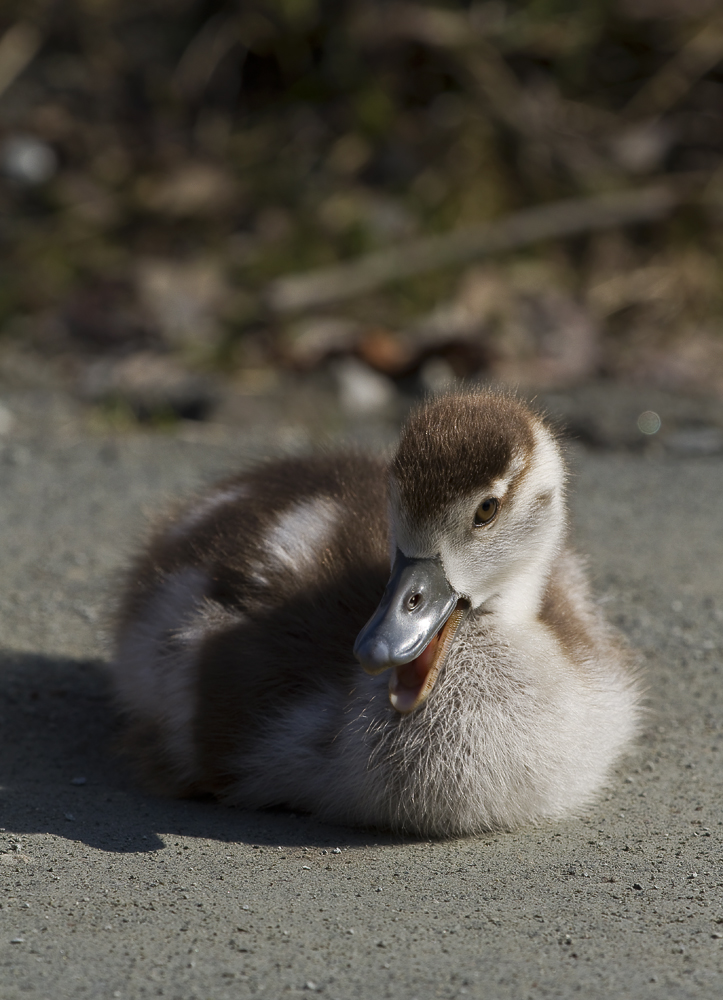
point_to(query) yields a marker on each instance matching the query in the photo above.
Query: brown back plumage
(271, 634)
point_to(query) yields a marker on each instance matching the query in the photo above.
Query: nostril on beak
(414, 601)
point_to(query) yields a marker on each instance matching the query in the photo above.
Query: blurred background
(220, 213)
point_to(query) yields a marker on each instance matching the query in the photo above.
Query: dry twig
(552, 221)
(676, 77)
(18, 47)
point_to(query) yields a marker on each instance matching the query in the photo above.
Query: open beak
(412, 630)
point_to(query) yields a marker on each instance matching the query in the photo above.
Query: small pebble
(17, 940)
(78, 781)
(337, 850)
(69, 816)
(305, 868)
(637, 885)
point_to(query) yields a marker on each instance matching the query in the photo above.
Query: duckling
(266, 654)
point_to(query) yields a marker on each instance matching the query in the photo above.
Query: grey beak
(417, 602)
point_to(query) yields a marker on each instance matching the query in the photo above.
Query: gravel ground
(107, 892)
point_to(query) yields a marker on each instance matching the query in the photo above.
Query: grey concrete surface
(107, 892)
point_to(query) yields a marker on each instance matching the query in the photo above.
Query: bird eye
(485, 512)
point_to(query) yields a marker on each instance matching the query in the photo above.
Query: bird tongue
(411, 683)
(408, 680)
(413, 674)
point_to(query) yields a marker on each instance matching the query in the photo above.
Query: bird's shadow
(59, 773)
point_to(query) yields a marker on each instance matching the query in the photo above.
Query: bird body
(488, 692)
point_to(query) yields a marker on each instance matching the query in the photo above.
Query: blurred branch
(587, 140)
(213, 42)
(412, 22)
(673, 81)
(18, 47)
(552, 221)
(447, 29)
(203, 54)
(540, 114)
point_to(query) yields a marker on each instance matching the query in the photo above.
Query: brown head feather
(456, 444)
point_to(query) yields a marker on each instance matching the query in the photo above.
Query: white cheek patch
(547, 465)
(301, 533)
(517, 463)
(207, 506)
(499, 488)
(510, 557)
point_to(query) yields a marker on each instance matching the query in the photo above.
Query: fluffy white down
(300, 533)
(512, 734)
(295, 541)
(207, 506)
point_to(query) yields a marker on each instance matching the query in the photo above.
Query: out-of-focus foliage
(163, 160)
